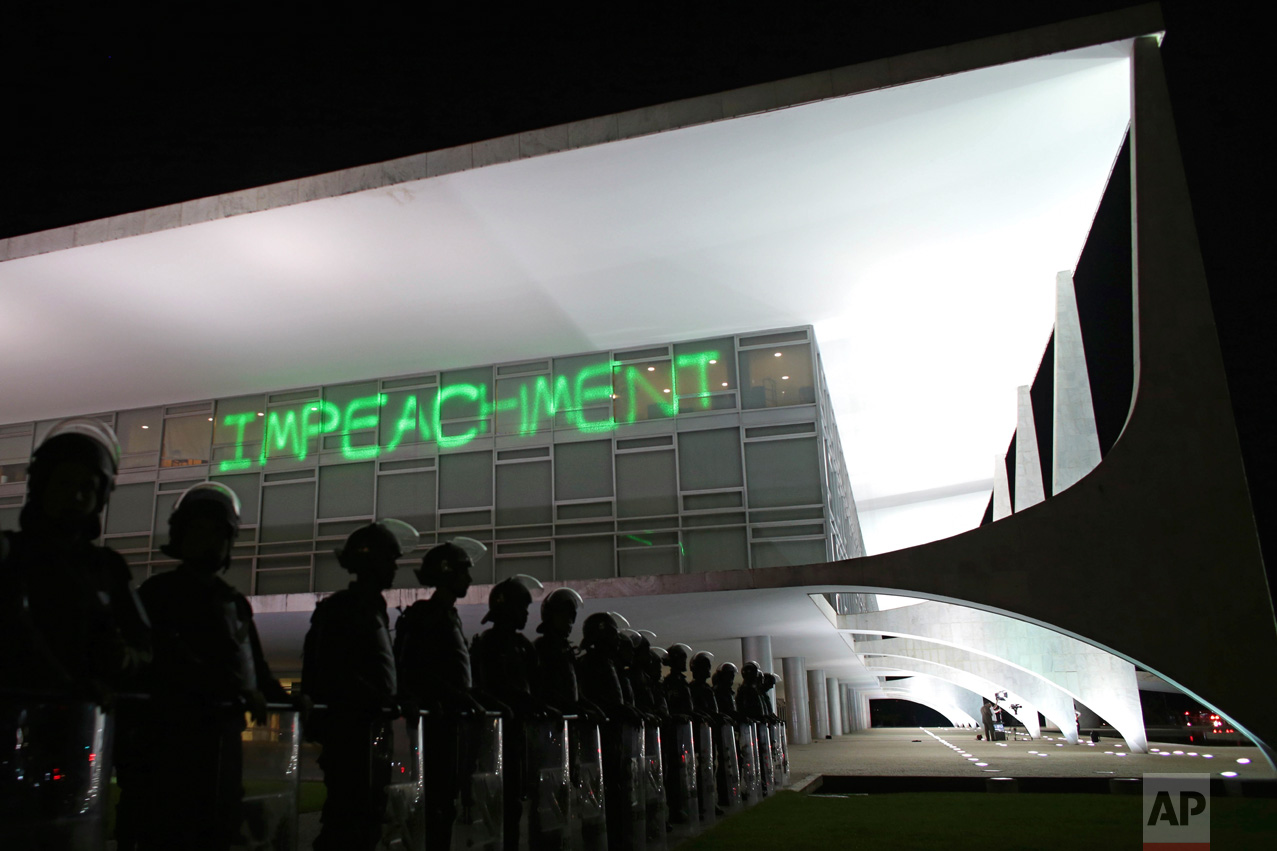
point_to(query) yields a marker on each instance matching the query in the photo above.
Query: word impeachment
(589, 400)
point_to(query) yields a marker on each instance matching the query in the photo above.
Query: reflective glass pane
(239, 420)
(187, 441)
(247, 487)
(288, 512)
(345, 490)
(523, 494)
(701, 368)
(409, 497)
(138, 431)
(783, 472)
(465, 480)
(709, 459)
(646, 484)
(583, 470)
(715, 549)
(644, 391)
(785, 553)
(778, 376)
(131, 508)
(584, 558)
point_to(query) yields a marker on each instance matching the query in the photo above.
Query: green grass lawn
(1035, 822)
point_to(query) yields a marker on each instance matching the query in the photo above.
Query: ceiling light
(651, 369)
(713, 362)
(1228, 773)
(210, 419)
(784, 378)
(724, 383)
(666, 390)
(145, 426)
(261, 413)
(1243, 761)
(778, 354)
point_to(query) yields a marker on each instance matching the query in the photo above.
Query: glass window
(131, 508)
(10, 473)
(701, 369)
(406, 418)
(777, 376)
(715, 549)
(465, 394)
(783, 472)
(541, 567)
(239, 420)
(9, 518)
(187, 441)
(345, 490)
(523, 494)
(283, 581)
(646, 484)
(644, 391)
(409, 497)
(526, 405)
(647, 561)
(584, 558)
(288, 512)
(240, 575)
(709, 459)
(139, 435)
(465, 480)
(164, 502)
(331, 576)
(581, 395)
(248, 487)
(15, 448)
(786, 553)
(583, 470)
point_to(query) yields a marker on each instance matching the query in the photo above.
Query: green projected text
(596, 398)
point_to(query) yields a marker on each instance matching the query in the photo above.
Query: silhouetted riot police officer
(433, 661)
(69, 623)
(749, 700)
(208, 664)
(68, 618)
(635, 660)
(349, 666)
(675, 685)
(702, 692)
(723, 681)
(505, 667)
(555, 682)
(767, 684)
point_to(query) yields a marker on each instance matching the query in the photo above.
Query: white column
(794, 672)
(758, 648)
(1028, 464)
(835, 706)
(1001, 489)
(818, 701)
(844, 698)
(1076, 445)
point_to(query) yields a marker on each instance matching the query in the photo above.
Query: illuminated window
(644, 391)
(186, 441)
(776, 376)
(582, 393)
(139, 435)
(706, 375)
(15, 472)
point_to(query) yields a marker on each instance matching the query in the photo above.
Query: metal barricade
(706, 776)
(728, 760)
(547, 785)
(747, 752)
(681, 779)
(54, 773)
(272, 781)
(405, 826)
(766, 768)
(479, 820)
(656, 808)
(587, 804)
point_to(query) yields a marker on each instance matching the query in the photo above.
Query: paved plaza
(954, 752)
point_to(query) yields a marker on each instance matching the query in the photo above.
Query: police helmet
(206, 499)
(81, 440)
(560, 600)
(383, 540)
(511, 595)
(599, 629)
(679, 652)
(441, 560)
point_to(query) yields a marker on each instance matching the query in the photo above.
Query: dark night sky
(106, 112)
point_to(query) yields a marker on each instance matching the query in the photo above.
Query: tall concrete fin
(1001, 489)
(1075, 448)
(1028, 464)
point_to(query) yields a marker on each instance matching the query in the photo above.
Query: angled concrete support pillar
(1001, 489)
(1099, 679)
(1028, 462)
(964, 678)
(795, 684)
(758, 648)
(1075, 449)
(818, 701)
(960, 706)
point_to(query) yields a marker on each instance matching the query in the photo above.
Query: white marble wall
(1028, 464)
(1076, 448)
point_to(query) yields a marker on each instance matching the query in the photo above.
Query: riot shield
(272, 781)
(406, 793)
(624, 767)
(706, 779)
(780, 747)
(479, 819)
(587, 808)
(728, 762)
(681, 779)
(766, 771)
(547, 785)
(55, 766)
(747, 751)
(656, 808)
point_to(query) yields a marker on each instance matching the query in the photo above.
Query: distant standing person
(986, 719)
(349, 666)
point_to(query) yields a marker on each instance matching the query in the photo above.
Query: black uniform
(349, 666)
(207, 654)
(555, 682)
